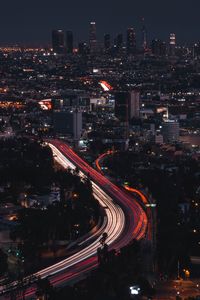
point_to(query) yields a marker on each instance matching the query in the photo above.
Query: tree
(3, 262)
(44, 289)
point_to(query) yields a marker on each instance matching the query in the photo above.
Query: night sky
(31, 21)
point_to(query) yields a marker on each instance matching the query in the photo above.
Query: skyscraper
(83, 48)
(119, 42)
(144, 36)
(158, 47)
(131, 41)
(93, 37)
(172, 44)
(107, 42)
(66, 122)
(134, 104)
(127, 105)
(170, 131)
(58, 41)
(196, 50)
(69, 41)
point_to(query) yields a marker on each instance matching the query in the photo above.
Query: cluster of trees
(65, 220)
(27, 167)
(24, 163)
(3, 263)
(175, 231)
(112, 279)
(170, 188)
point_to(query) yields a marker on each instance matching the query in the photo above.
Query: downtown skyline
(32, 23)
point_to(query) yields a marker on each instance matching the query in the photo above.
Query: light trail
(126, 220)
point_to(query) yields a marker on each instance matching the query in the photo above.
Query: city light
(134, 290)
(99, 152)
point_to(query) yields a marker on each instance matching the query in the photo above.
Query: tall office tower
(107, 42)
(172, 44)
(69, 41)
(158, 48)
(196, 50)
(170, 131)
(144, 36)
(131, 41)
(119, 41)
(83, 48)
(127, 105)
(93, 37)
(58, 41)
(68, 123)
(163, 48)
(134, 104)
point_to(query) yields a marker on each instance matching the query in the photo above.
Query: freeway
(125, 221)
(136, 219)
(144, 201)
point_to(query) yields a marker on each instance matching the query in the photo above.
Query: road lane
(126, 220)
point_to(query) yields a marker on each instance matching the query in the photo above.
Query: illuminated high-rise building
(144, 36)
(127, 105)
(93, 37)
(196, 50)
(172, 44)
(170, 131)
(58, 41)
(69, 41)
(131, 41)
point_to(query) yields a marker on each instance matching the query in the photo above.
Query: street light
(187, 273)
(134, 290)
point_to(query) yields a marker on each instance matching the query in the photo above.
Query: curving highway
(124, 221)
(136, 219)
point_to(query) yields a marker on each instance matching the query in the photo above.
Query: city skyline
(19, 23)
